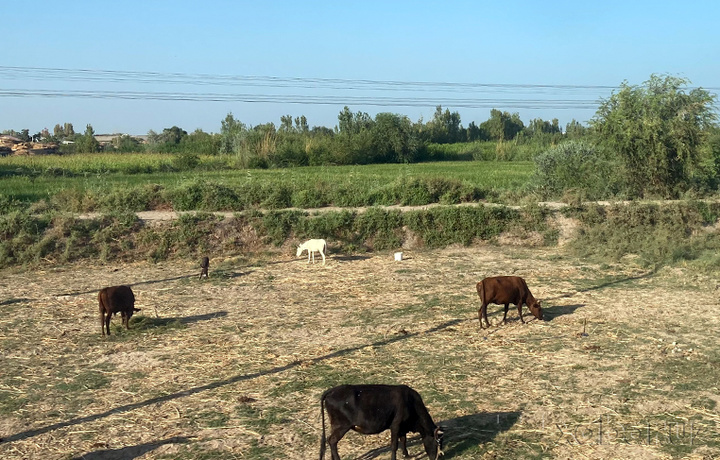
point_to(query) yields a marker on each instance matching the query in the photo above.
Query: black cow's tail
(323, 440)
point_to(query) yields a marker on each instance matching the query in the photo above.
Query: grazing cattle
(204, 266)
(311, 246)
(116, 299)
(504, 290)
(372, 409)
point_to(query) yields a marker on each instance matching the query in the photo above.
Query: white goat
(311, 246)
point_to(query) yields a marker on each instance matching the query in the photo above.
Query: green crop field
(31, 179)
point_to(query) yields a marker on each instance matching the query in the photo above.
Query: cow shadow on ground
(227, 381)
(550, 313)
(349, 258)
(464, 433)
(130, 452)
(226, 274)
(149, 322)
(461, 434)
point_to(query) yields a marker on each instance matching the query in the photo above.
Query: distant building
(104, 139)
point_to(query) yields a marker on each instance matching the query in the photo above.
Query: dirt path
(157, 216)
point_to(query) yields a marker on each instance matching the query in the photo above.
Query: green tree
(575, 130)
(502, 126)
(656, 130)
(393, 139)
(445, 127)
(87, 142)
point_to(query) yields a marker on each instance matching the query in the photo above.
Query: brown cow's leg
(482, 313)
(520, 312)
(507, 307)
(107, 322)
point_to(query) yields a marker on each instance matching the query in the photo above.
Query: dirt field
(625, 366)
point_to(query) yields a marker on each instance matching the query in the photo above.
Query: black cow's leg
(334, 438)
(393, 443)
(107, 322)
(403, 445)
(507, 307)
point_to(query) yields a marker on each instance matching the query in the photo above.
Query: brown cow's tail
(323, 439)
(102, 311)
(481, 291)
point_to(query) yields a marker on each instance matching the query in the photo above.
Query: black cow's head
(434, 444)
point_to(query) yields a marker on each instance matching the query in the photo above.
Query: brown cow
(504, 290)
(371, 409)
(116, 299)
(204, 266)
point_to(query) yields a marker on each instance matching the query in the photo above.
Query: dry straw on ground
(232, 367)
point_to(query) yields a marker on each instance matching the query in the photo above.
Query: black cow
(372, 409)
(504, 290)
(116, 299)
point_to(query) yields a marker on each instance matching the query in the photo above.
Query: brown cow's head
(536, 309)
(130, 313)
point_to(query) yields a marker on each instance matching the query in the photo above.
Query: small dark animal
(116, 299)
(504, 290)
(372, 409)
(204, 265)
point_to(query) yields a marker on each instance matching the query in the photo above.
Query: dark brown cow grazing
(504, 290)
(116, 299)
(372, 409)
(204, 266)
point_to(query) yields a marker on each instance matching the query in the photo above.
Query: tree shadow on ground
(130, 452)
(461, 434)
(175, 278)
(603, 285)
(228, 381)
(13, 301)
(550, 313)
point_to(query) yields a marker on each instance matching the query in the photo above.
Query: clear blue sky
(520, 43)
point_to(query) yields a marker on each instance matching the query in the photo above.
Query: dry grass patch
(233, 366)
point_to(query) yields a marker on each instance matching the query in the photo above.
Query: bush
(657, 234)
(577, 166)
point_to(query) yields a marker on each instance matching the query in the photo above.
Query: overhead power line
(305, 99)
(325, 91)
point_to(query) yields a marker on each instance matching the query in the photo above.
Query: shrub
(576, 165)
(657, 234)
